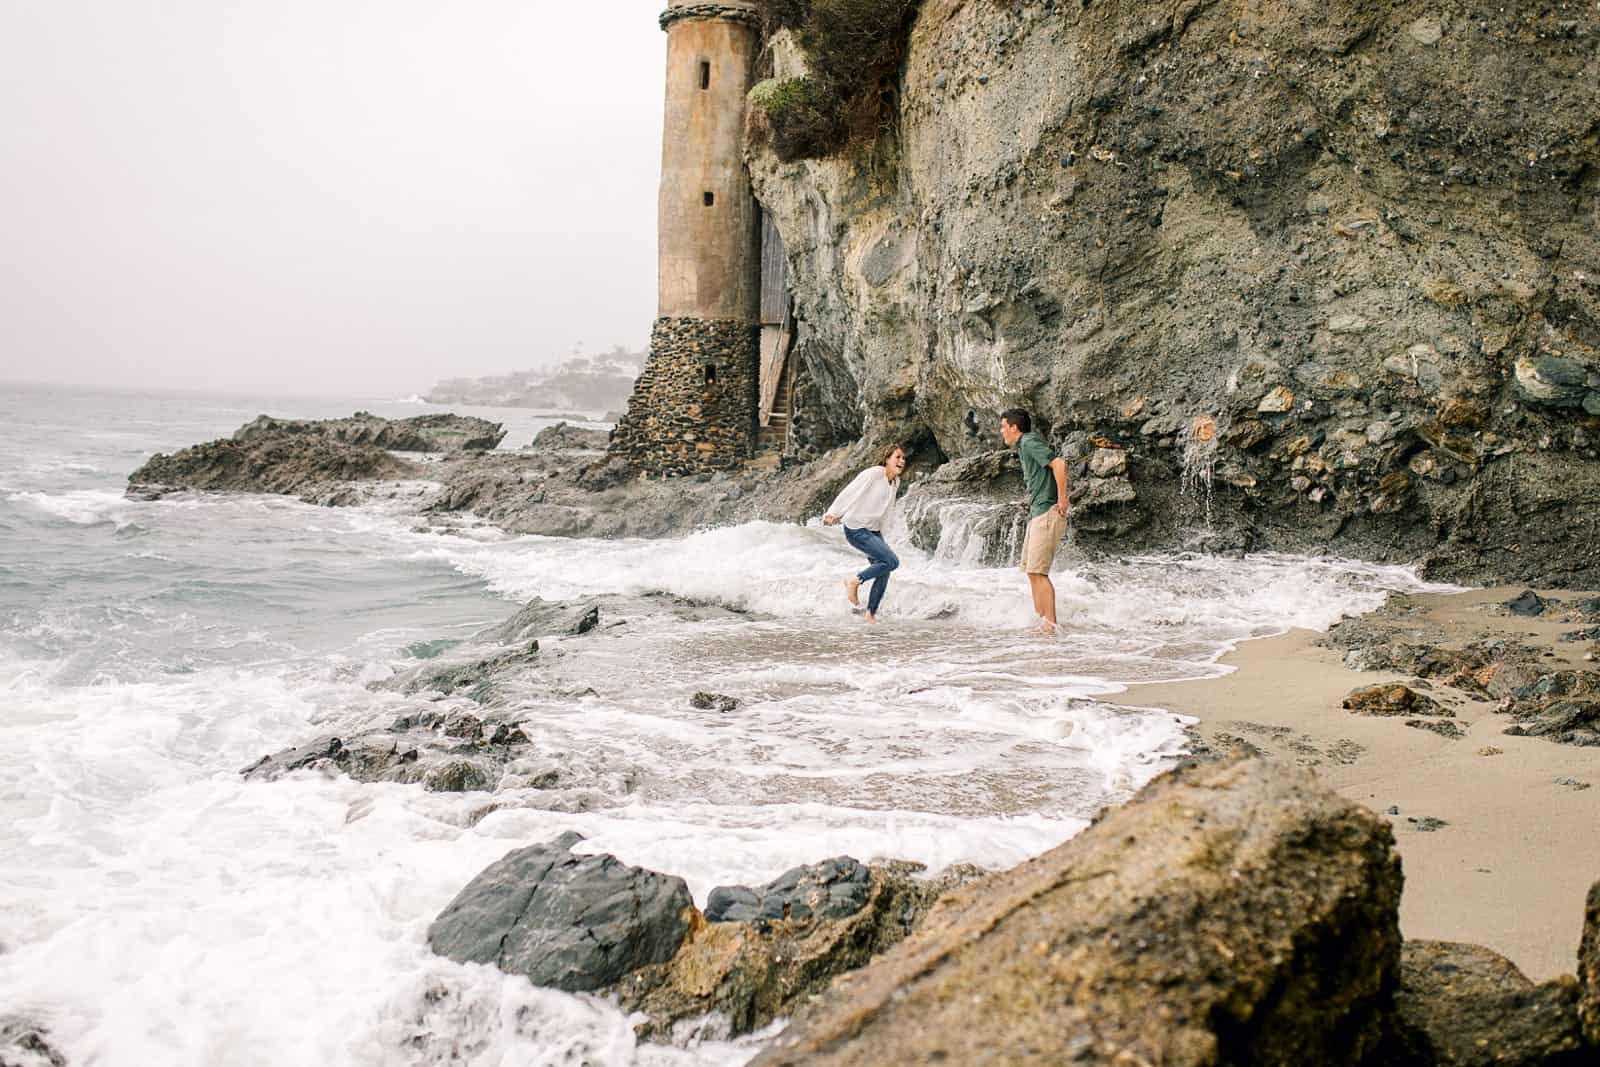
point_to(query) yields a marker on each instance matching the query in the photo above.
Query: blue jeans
(872, 544)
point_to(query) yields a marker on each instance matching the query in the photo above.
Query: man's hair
(888, 451)
(1018, 418)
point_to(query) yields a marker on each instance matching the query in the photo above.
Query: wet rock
(543, 618)
(421, 433)
(831, 889)
(1465, 1006)
(564, 437)
(1526, 603)
(563, 920)
(713, 701)
(1232, 912)
(294, 461)
(752, 972)
(24, 1043)
(458, 776)
(1391, 699)
(1426, 824)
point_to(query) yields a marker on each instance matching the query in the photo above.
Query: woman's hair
(888, 451)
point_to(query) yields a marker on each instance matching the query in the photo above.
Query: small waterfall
(963, 530)
(1199, 437)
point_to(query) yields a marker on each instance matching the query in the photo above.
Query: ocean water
(155, 908)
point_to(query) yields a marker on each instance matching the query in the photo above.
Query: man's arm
(1058, 467)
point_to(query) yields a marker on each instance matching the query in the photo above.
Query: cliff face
(1336, 265)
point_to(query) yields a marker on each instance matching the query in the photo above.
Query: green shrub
(854, 49)
(787, 115)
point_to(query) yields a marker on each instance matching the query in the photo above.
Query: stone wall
(693, 409)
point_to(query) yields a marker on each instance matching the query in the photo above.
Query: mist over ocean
(156, 908)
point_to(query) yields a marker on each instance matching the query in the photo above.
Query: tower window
(711, 373)
(705, 75)
(710, 198)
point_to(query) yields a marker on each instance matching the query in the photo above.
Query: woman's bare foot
(851, 587)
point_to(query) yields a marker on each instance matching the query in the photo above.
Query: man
(1045, 475)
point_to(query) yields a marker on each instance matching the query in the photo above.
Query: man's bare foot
(871, 617)
(851, 587)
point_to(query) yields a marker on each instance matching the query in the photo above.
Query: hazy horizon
(301, 199)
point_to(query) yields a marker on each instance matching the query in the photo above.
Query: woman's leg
(884, 562)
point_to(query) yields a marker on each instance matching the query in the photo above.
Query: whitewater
(154, 907)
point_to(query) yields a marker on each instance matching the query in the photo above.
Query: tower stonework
(694, 408)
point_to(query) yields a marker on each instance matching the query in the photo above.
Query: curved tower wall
(708, 255)
(694, 408)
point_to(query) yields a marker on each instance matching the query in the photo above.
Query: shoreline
(1516, 852)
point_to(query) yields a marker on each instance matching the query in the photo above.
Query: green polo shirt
(1036, 457)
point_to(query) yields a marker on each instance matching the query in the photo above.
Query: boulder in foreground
(1233, 912)
(566, 921)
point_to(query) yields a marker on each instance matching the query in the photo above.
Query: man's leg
(1044, 597)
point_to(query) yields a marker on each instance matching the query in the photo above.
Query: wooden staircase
(771, 438)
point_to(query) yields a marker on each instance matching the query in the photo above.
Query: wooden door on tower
(777, 325)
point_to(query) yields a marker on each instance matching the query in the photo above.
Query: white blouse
(865, 503)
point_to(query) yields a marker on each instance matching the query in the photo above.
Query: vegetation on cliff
(854, 50)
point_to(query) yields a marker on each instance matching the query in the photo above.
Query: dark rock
(543, 618)
(717, 701)
(831, 889)
(1446, 728)
(1551, 381)
(458, 776)
(422, 433)
(753, 972)
(1232, 912)
(1526, 603)
(1589, 969)
(1466, 1006)
(1426, 824)
(566, 921)
(293, 461)
(569, 438)
(1392, 698)
(26, 1044)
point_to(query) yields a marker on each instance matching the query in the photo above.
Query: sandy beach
(1499, 835)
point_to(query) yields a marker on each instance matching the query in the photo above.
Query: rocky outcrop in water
(26, 1044)
(566, 921)
(590, 923)
(297, 462)
(421, 433)
(333, 461)
(1326, 280)
(563, 436)
(1232, 912)
(469, 724)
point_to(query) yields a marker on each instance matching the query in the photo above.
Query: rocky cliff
(1292, 275)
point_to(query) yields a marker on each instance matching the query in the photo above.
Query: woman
(863, 507)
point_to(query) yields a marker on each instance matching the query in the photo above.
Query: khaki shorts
(1043, 538)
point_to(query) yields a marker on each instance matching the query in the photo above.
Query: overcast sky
(341, 196)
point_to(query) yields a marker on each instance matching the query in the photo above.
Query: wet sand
(1518, 849)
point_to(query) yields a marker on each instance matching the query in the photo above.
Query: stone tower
(694, 409)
